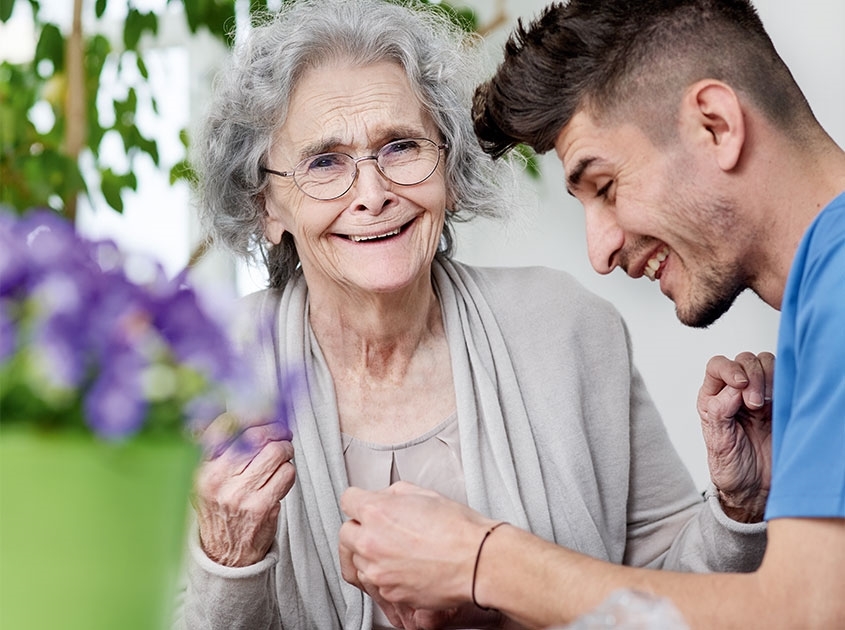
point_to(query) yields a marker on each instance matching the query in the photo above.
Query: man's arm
(799, 584)
(419, 549)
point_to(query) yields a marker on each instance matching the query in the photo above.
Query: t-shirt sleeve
(808, 476)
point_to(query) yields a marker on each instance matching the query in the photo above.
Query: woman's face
(378, 237)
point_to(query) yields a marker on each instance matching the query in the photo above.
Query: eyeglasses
(330, 175)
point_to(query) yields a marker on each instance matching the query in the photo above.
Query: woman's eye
(401, 146)
(325, 162)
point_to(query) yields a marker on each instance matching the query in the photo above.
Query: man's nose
(604, 239)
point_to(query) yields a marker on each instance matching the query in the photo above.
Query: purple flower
(115, 406)
(195, 339)
(58, 327)
(113, 337)
(13, 259)
(8, 334)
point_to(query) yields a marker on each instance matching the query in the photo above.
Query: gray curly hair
(250, 99)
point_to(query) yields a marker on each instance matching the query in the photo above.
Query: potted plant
(107, 369)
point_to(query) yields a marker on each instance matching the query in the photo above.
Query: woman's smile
(376, 237)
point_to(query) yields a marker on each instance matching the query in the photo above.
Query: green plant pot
(91, 533)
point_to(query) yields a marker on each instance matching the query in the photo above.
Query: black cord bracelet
(477, 558)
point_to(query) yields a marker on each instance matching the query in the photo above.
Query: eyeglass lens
(404, 162)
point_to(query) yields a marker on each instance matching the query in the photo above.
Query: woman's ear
(714, 115)
(274, 228)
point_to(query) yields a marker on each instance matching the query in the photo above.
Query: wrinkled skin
(735, 407)
(238, 490)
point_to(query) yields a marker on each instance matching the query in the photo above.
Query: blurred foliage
(40, 164)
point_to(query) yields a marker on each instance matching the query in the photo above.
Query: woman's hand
(735, 406)
(464, 616)
(238, 490)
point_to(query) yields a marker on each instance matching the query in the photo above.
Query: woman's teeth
(654, 263)
(359, 239)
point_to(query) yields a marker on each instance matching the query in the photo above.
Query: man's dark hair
(633, 59)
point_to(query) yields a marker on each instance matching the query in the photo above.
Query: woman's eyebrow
(330, 144)
(323, 145)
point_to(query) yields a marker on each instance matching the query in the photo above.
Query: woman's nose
(371, 189)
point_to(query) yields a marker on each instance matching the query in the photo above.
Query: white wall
(670, 356)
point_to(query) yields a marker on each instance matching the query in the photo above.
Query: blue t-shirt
(808, 430)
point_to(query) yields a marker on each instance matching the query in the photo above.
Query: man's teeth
(654, 263)
(358, 239)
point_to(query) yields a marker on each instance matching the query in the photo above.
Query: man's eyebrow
(574, 178)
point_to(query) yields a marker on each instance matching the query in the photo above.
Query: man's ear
(712, 111)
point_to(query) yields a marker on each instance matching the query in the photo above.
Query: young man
(701, 166)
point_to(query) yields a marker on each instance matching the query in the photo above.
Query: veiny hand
(410, 546)
(735, 408)
(465, 616)
(238, 490)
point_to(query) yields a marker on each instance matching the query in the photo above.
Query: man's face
(656, 212)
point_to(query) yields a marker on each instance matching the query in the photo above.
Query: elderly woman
(340, 137)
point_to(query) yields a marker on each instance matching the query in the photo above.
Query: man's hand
(410, 546)
(735, 407)
(238, 490)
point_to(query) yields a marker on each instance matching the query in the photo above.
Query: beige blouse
(432, 460)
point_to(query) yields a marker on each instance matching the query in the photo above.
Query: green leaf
(146, 145)
(6, 7)
(258, 8)
(194, 11)
(111, 186)
(182, 171)
(132, 100)
(133, 139)
(526, 155)
(51, 46)
(464, 18)
(128, 180)
(95, 130)
(220, 21)
(97, 50)
(136, 25)
(132, 29)
(100, 8)
(74, 183)
(45, 174)
(142, 67)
